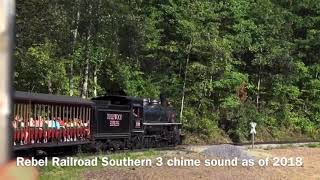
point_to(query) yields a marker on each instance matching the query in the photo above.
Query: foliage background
(223, 63)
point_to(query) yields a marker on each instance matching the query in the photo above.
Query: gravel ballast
(227, 151)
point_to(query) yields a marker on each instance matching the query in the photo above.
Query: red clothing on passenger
(40, 133)
(36, 134)
(31, 131)
(45, 133)
(22, 132)
(57, 133)
(61, 122)
(18, 134)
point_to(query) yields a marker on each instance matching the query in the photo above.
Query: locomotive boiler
(160, 122)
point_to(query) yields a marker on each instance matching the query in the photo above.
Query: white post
(252, 140)
(253, 132)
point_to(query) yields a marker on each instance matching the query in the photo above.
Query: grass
(74, 172)
(316, 145)
(198, 139)
(288, 146)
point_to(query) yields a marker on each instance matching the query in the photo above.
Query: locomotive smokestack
(163, 99)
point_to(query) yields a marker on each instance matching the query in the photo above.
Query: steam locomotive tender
(43, 121)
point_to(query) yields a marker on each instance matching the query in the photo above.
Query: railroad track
(92, 153)
(269, 144)
(258, 145)
(276, 142)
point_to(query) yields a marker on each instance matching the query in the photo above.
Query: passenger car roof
(50, 98)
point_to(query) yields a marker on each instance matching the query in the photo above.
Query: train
(110, 122)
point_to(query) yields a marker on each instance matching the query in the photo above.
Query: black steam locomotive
(108, 122)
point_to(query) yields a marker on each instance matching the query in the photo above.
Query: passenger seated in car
(14, 126)
(68, 124)
(31, 129)
(37, 126)
(81, 129)
(41, 130)
(87, 129)
(45, 130)
(18, 136)
(26, 132)
(57, 129)
(62, 130)
(77, 129)
(73, 130)
(22, 130)
(51, 127)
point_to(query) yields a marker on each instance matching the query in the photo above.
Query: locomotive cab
(118, 120)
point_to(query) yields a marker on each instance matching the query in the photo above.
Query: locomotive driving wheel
(137, 142)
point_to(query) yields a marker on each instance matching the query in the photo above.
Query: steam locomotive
(114, 122)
